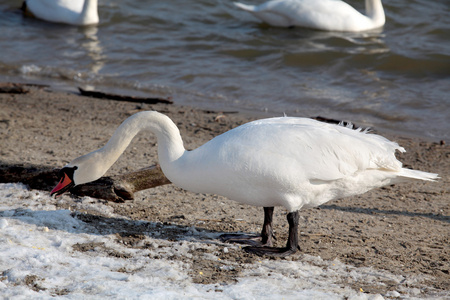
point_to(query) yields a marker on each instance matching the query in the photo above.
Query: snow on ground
(38, 260)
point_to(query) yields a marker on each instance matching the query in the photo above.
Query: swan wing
(324, 15)
(59, 11)
(321, 151)
(285, 153)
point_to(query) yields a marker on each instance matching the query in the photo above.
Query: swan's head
(81, 170)
(94, 165)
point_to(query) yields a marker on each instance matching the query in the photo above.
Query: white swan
(329, 15)
(289, 162)
(73, 12)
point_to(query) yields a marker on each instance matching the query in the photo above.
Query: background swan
(330, 15)
(289, 162)
(73, 12)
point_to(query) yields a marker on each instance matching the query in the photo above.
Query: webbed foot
(246, 239)
(271, 251)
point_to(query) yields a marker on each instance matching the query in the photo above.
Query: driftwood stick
(118, 188)
(12, 88)
(102, 95)
(18, 88)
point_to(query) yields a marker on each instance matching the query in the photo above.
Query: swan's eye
(67, 171)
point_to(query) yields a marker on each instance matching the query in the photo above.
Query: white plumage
(289, 162)
(73, 12)
(329, 15)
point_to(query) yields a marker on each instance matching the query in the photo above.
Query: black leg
(265, 239)
(267, 229)
(292, 243)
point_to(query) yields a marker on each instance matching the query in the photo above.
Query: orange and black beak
(65, 183)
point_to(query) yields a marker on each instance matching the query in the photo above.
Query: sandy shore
(403, 229)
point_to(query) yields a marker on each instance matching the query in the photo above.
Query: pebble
(415, 291)
(393, 294)
(3, 223)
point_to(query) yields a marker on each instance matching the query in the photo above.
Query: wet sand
(403, 229)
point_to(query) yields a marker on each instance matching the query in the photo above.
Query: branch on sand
(118, 188)
(18, 88)
(110, 96)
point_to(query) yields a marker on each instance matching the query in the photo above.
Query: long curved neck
(89, 13)
(170, 144)
(375, 11)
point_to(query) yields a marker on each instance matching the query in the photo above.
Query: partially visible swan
(73, 12)
(289, 162)
(329, 15)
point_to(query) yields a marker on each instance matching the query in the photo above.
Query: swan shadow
(131, 230)
(376, 211)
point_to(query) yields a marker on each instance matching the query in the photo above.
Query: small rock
(393, 294)
(415, 291)
(3, 223)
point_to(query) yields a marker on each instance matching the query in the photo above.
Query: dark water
(209, 54)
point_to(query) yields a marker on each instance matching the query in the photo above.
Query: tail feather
(245, 6)
(418, 175)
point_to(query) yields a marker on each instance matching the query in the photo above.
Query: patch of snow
(38, 260)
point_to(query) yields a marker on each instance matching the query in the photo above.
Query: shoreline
(62, 87)
(403, 228)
